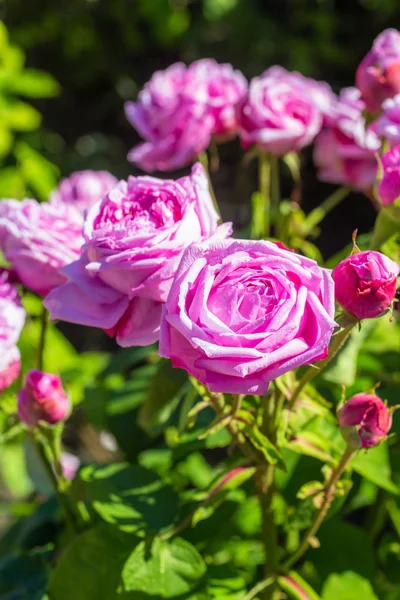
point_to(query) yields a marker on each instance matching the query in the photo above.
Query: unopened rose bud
(378, 75)
(389, 186)
(42, 399)
(365, 283)
(364, 420)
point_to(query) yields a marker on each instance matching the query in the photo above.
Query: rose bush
(134, 239)
(239, 314)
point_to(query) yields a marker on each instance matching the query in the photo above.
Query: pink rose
(279, 115)
(365, 283)
(219, 88)
(364, 421)
(387, 126)
(345, 150)
(38, 239)
(134, 240)
(378, 75)
(42, 399)
(12, 318)
(179, 110)
(241, 313)
(83, 188)
(389, 186)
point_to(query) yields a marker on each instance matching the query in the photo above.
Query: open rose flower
(364, 421)
(387, 125)
(180, 109)
(279, 114)
(83, 188)
(12, 318)
(241, 313)
(345, 149)
(134, 240)
(365, 283)
(389, 185)
(37, 239)
(378, 75)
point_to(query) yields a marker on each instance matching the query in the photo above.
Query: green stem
(337, 342)
(214, 156)
(264, 173)
(266, 491)
(42, 338)
(386, 225)
(203, 158)
(322, 511)
(319, 213)
(61, 496)
(275, 188)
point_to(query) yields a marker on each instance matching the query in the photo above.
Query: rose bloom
(389, 186)
(387, 125)
(134, 240)
(241, 313)
(365, 283)
(180, 109)
(37, 239)
(12, 318)
(42, 399)
(278, 115)
(364, 421)
(219, 88)
(345, 150)
(83, 188)
(378, 75)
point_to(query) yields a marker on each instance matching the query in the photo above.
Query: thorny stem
(320, 515)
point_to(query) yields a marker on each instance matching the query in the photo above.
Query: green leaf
(166, 569)
(40, 174)
(343, 368)
(90, 568)
(23, 576)
(262, 443)
(347, 586)
(165, 392)
(311, 444)
(12, 184)
(35, 84)
(6, 140)
(20, 116)
(131, 497)
(374, 465)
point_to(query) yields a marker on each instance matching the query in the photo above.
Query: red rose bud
(42, 399)
(364, 420)
(365, 283)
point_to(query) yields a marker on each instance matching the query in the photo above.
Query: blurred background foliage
(101, 52)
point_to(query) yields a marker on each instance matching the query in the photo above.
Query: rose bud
(42, 399)
(364, 420)
(378, 75)
(389, 186)
(365, 283)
